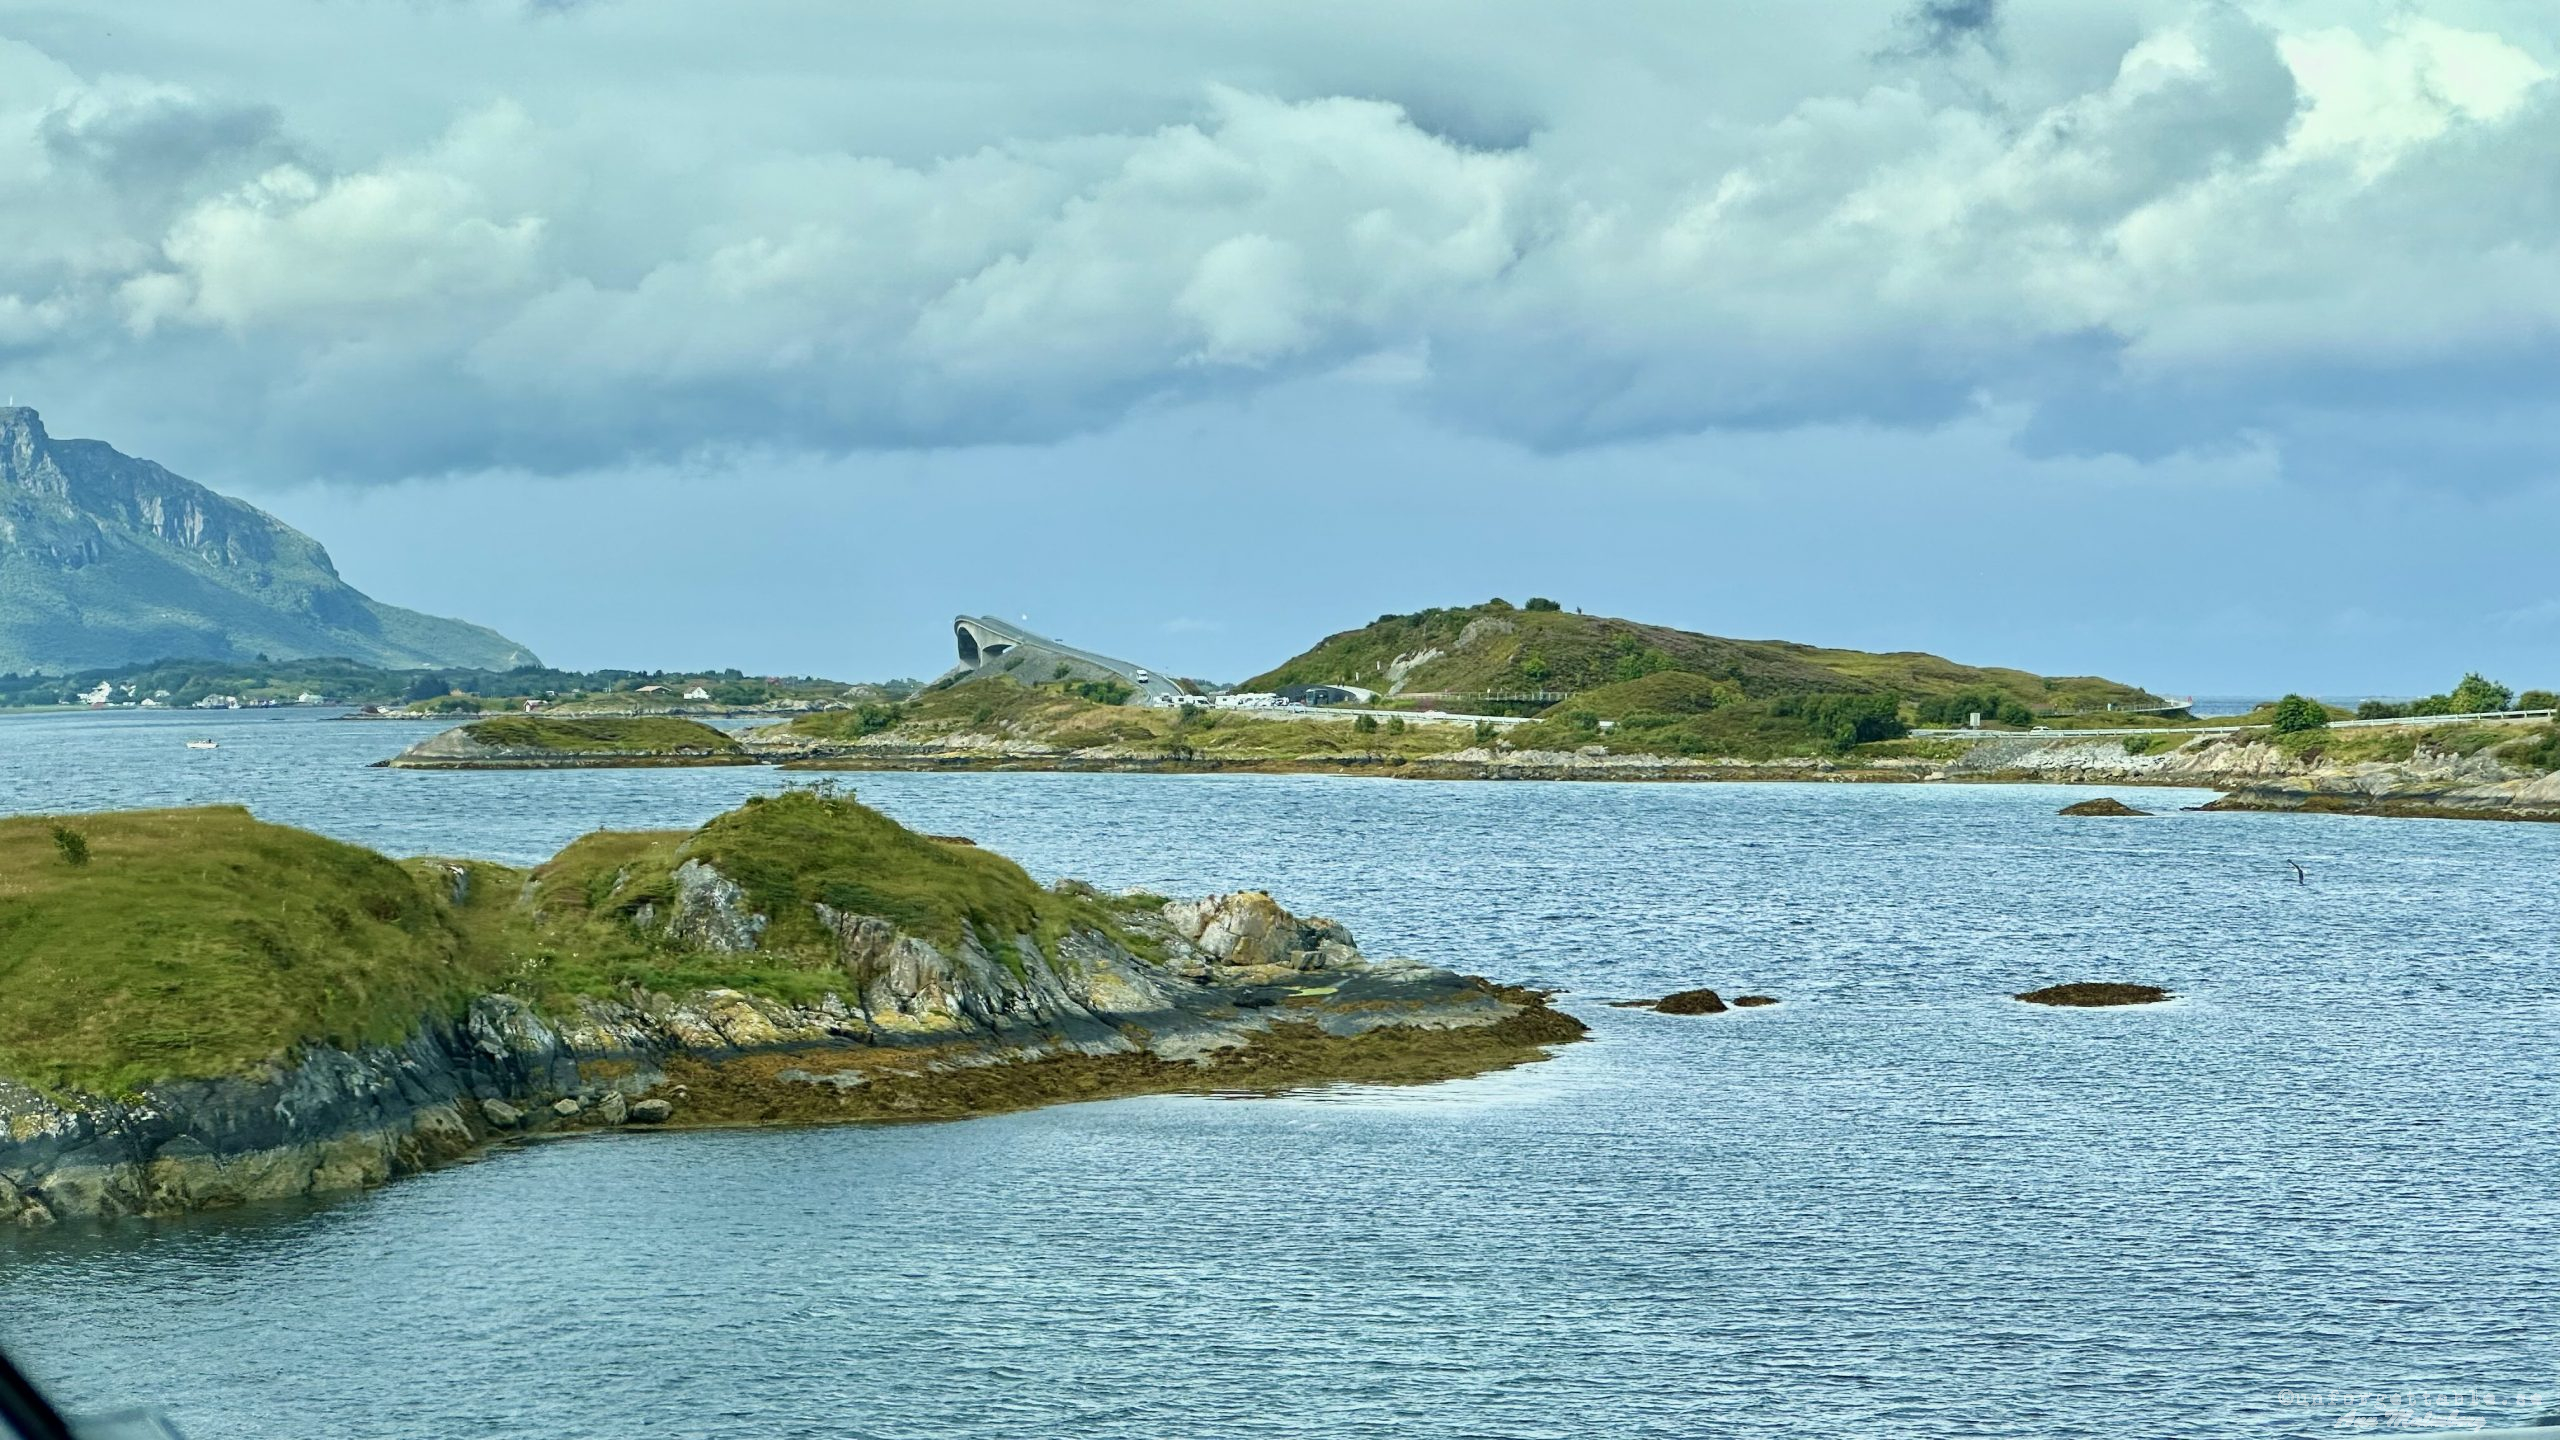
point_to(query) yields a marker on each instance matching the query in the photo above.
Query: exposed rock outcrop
(1681, 1002)
(2105, 806)
(1246, 995)
(2091, 994)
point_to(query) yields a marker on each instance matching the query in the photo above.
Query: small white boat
(203, 745)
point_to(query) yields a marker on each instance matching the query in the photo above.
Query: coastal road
(2075, 731)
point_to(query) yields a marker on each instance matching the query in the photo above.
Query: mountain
(108, 560)
(1498, 649)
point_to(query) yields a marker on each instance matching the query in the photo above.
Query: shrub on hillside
(2478, 694)
(1846, 720)
(2538, 700)
(1959, 708)
(1541, 602)
(2297, 713)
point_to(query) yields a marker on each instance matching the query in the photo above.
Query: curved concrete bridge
(990, 647)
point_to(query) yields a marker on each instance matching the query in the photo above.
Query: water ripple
(1898, 1203)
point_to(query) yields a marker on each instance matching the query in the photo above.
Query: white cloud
(2149, 224)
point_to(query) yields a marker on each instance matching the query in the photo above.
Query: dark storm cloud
(154, 141)
(1941, 27)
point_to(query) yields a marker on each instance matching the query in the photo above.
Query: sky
(2208, 346)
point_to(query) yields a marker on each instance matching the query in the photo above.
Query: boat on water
(203, 745)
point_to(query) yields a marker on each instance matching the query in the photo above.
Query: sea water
(2318, 1184)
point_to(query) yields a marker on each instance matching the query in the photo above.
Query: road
(2074, 732)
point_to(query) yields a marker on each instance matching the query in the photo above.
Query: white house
(697, 693)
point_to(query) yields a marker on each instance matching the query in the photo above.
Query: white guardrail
(2234, 729)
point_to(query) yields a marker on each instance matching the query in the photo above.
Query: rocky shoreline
(1227, 993)
(339, 1120)
(869, 1018)
(2255, 772)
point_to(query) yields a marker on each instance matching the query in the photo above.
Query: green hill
(1498, 649)
(205, 942)
(108, 560)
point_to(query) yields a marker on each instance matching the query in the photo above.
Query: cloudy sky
(2206, 345)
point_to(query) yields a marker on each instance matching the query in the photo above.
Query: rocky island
(1494, 692)
(200, 1009)
(544, 742)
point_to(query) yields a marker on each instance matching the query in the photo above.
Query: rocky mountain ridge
(108, 560)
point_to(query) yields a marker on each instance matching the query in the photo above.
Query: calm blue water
(1897, 1204)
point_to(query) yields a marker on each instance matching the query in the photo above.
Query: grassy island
(509, 742)
(197, 1007)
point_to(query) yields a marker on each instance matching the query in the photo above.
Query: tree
(2477, 694)
(2538, 700)
(1845, 720)
(1541, 602)
(2297, 713)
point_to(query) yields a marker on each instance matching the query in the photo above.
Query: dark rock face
(2107, 806)
(1690, 1002)
(2092, 993)
(1241, 982)
(115, 560)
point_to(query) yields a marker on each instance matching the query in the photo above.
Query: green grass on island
(1056, 715)
(601, 734)
(205, 942)
(1497, 648)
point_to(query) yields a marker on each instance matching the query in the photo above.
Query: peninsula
(335, 1018)
(1494, 692)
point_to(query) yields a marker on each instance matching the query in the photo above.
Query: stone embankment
(2257, 774)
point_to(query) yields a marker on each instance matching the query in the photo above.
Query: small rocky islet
(339, 1018)
(544, 742)
(2094, 994)
(2104, 806)
(1696, 1002)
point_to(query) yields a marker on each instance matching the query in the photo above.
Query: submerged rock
(2092, 993)
(1751, 1002)
(2108, 805)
